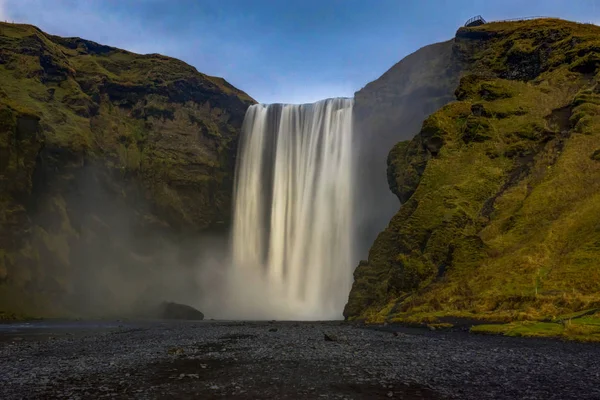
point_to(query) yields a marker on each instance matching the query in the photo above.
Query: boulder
(170, 310)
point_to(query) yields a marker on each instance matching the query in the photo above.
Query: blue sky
(280, 50)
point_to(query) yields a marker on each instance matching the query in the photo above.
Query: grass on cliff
(161, 132)
(504, 222)
(542, 239)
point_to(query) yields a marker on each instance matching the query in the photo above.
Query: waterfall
(292, 231)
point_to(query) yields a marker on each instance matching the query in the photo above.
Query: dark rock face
(108, 160)
(169, 310)
(392, 109)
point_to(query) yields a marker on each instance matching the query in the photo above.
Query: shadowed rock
(170, 310)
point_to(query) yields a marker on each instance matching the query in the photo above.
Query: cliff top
(76, 55)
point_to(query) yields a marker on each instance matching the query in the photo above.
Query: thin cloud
(3, 13)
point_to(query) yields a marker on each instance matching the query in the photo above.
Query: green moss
(585, 330)
(476, 129)
(500, 209)
(406, 163)
(152, 127)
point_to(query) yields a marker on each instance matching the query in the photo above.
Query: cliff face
(390, 109)
(500, 187)
(100, 149)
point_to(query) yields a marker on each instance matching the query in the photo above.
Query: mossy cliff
(95, 142)
(500, 189)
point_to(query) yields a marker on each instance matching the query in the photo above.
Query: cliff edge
(500, 189)
(100, 149)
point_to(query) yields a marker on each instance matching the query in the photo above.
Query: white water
(292, 232)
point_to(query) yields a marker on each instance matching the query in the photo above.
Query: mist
(115, 257)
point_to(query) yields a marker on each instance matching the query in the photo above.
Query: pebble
(231, 357)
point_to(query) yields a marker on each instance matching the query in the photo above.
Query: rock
(329, 337)
(176, 351)
(414, 366)
(170, 310)
(273, 330)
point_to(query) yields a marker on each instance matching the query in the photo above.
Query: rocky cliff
(500, 189)
(390, 109)
(100, 150)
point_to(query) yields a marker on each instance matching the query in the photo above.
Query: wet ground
(284, 360)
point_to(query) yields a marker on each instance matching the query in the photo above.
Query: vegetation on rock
(500, 189)
(96, 141)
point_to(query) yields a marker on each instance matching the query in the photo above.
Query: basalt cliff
(500, 189)
(106, 158)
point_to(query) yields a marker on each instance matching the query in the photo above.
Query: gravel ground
(287, 360)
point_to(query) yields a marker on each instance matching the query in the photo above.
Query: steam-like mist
(292, 236)
(124, 261)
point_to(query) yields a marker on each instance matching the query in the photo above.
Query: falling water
(292, 230)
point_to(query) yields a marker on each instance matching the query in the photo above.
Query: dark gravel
(286, 360)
